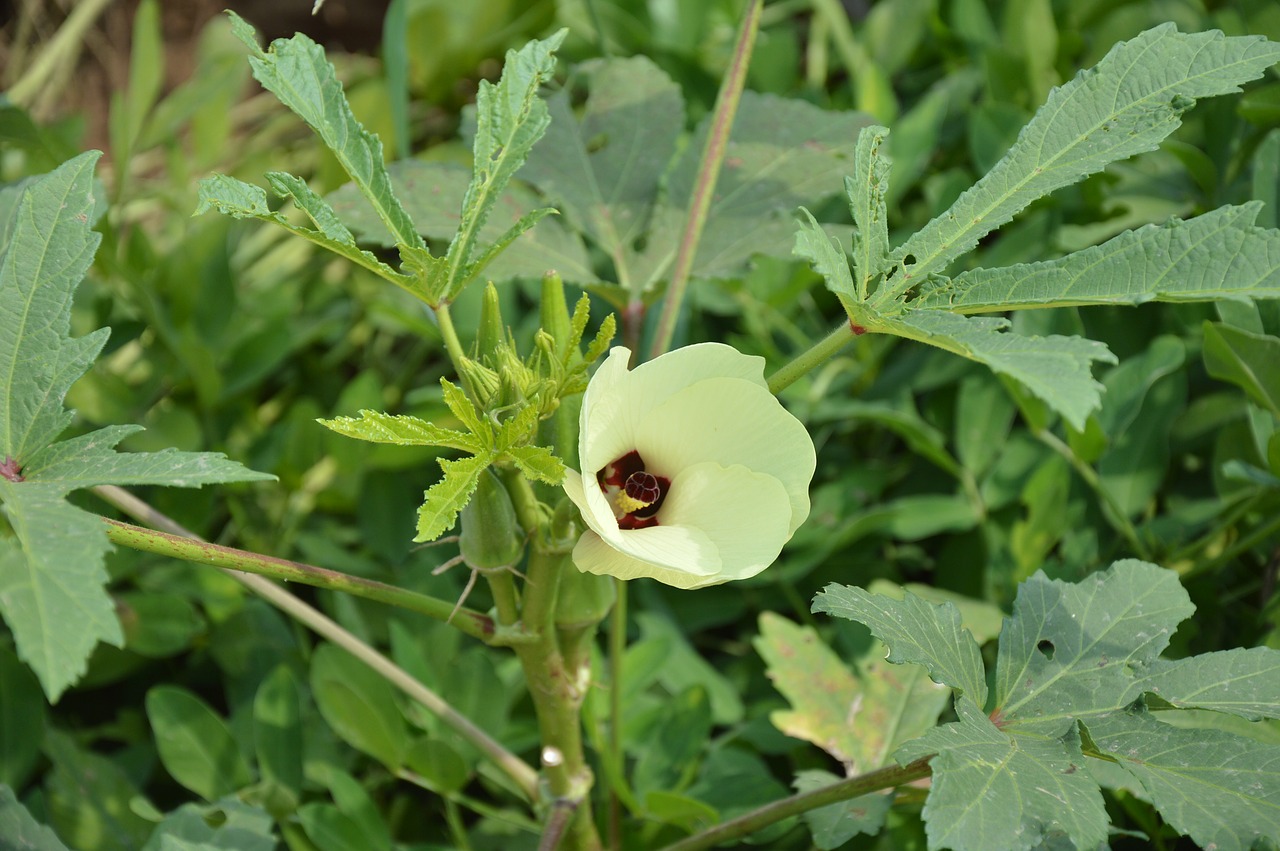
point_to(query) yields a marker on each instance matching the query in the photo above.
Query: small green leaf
(1249, 361)
(826, 256)
(915, 631)
(359, 705)
(330, 829)
(538, 462)
(866, 190)
(463, 408)
(445, 498)
(195, 745)
(402, 430)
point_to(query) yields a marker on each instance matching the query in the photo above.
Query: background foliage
(231, 337)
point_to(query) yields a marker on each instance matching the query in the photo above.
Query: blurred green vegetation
(232, 337)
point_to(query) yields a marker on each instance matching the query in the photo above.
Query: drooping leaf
(1125, 105)
(1055, 369)
(1218, 255)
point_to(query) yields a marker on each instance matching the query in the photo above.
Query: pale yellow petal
(594, 555)
(730, 421)
(745, 514)
(616, 400)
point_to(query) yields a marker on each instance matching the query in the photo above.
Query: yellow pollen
(627, 503)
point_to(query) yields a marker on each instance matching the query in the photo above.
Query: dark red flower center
(635, 494)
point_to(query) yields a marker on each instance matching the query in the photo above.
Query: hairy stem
(471, 622)
(812, 358)
(523, 775)
(882, 778)
(704, 186)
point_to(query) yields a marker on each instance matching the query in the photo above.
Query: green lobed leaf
(510, 119)
(19, 831)
(52, 579)
(1247, 360)
(915, 631)
(826, 256)
(539, 463)
(90, 460)
(994, 790)
(1125, 105)
(857, 718)
(296, 71)
(241, 200)
(195, 745)
(49, 249)
(445, 498)
(866, 190)
(1218, 255)
(402, 430)
(1055, 369)
(1068, 649)
(1220, 789)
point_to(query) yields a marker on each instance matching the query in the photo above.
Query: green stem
(812, 358)
(882, 778)
(452, 344)
(557, 692)
(708, 172)
(617, 651)
(525, 778)
(471, 622)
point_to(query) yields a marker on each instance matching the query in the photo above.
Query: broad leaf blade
(402, 430)
(992, 790)
(1127, 104)
(1244, 682)
(915, 631)
(90, 460)
(296, 71)
(1217, 255)
(51, 584)
(1067, 649)
(49, 250)
(1055, 369)
(1220, 789)
(603, 170)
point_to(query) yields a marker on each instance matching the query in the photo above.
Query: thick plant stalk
(704, 186)
(522, 774)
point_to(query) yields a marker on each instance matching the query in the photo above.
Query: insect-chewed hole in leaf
(1046, 648)
(638, 244)
(909, 260)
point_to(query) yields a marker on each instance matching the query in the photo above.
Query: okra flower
(692, 472)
